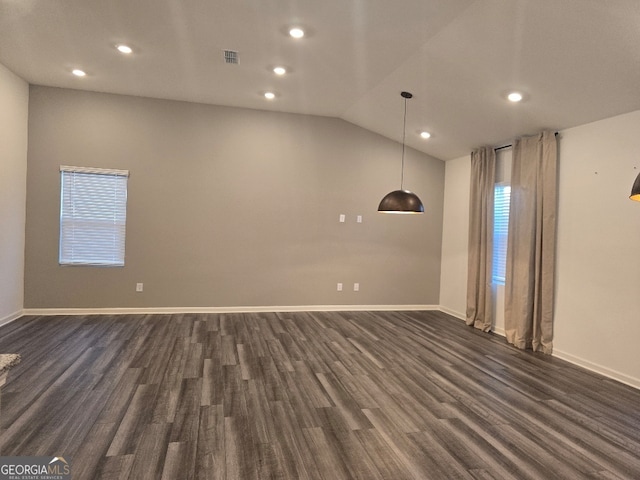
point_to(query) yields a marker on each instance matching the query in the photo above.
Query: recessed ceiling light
(514, 97)
(269, 95)
(78, 73)
(425, 135)
(124, 49)
(279, 70)
(296, 32)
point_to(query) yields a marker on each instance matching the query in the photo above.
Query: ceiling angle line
(511, 145)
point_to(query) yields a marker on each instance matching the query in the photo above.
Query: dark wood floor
(415, 395)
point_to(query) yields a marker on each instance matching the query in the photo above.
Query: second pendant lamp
(402, 201)
(635, 190)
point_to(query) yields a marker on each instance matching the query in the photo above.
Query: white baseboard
(594, 367)
(499, 331)
(11, 317)
(453, 313)
(462, 316)
(257, 309)
(581, 362)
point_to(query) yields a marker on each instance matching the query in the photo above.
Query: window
(502, 194)
(93, 214)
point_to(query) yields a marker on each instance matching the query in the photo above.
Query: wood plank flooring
(362, 395)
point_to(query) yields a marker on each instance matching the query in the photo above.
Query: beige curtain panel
(529, 286)
(479, 296)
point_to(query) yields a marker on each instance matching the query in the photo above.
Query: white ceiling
(576, 61)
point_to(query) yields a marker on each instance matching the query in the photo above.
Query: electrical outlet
(342, 218)
(359, 219)
(339, 287)
(356, 287)
(139, 287)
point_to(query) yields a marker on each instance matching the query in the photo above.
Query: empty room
(319, 240)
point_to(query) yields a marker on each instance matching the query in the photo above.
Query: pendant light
(401, 201)
(635, 190)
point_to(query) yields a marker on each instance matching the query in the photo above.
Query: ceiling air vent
(231, 56)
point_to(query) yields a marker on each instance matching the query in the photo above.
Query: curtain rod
(511, 145)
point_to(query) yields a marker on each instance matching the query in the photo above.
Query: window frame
(93, 213)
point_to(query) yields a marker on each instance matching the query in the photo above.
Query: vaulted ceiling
(574, 61)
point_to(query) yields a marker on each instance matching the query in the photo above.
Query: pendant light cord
(404, 130)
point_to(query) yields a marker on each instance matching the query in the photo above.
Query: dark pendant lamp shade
(401, 201)
(635, 190)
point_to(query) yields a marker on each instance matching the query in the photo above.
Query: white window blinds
(502, 193)
(93, 214)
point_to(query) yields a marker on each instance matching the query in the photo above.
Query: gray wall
(231, 207)
(14, 103)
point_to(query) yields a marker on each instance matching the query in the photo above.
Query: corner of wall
(11, 317)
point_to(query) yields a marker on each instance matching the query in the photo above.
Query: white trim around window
(93, 214)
